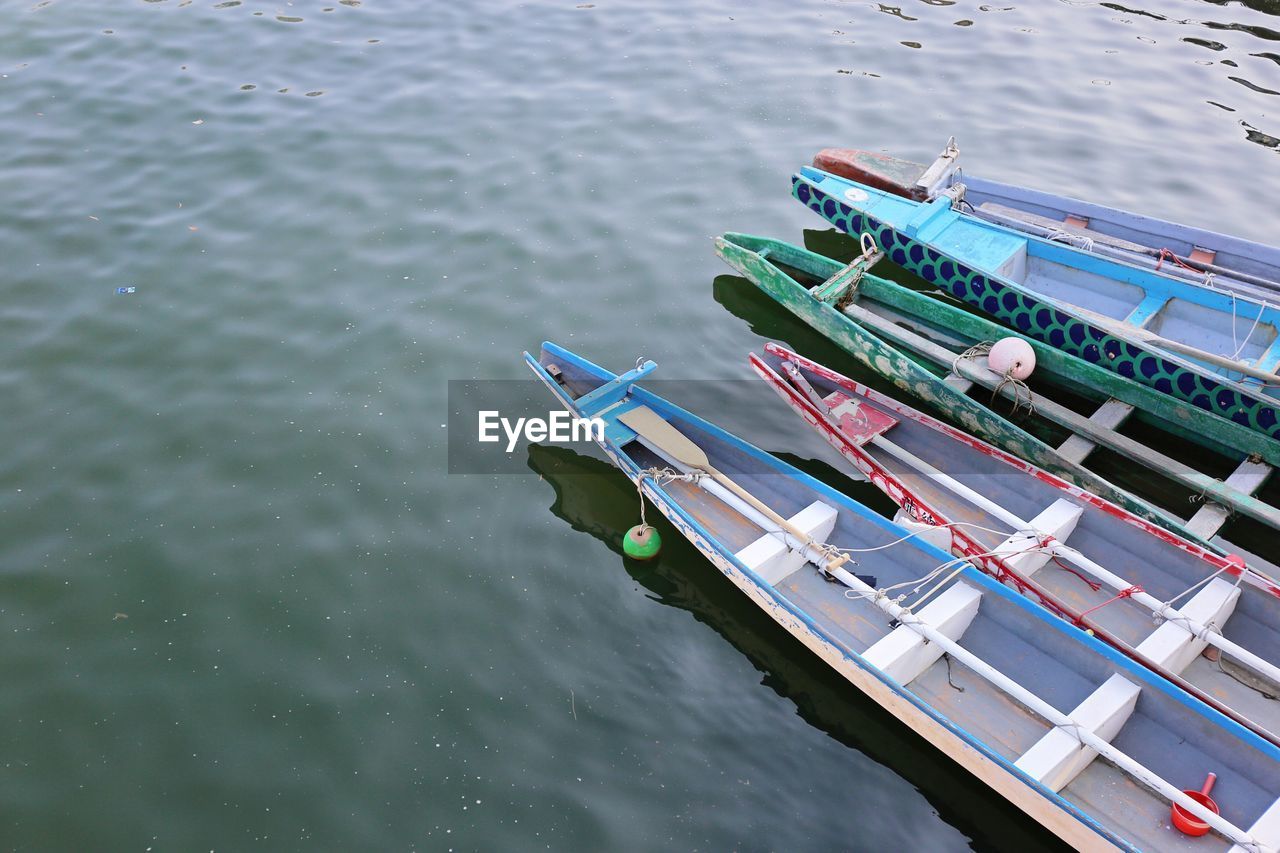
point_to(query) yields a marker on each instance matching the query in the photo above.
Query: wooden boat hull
(1129, 808)
(1029, 313)
(909, 374)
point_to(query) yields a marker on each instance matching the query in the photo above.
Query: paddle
(659, 434)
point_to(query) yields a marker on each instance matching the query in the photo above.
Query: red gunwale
(901, 494)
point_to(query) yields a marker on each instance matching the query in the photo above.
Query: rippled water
(247, 608)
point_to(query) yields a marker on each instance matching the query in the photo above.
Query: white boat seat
(935, 534)
(1058, 521)
(1059, 757)
(771, 556)
(1265, 830)
(904, 654)
(1172, 645)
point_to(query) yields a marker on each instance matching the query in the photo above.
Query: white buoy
(1012, 357)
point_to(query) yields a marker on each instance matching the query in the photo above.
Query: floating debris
(126, 290)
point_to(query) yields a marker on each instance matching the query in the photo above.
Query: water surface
(246, 606)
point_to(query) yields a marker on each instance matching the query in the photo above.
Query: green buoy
(642, 542)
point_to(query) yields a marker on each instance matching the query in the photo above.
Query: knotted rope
(1020, 388)
(1080, 241)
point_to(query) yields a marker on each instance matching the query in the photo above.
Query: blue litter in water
(126, 290)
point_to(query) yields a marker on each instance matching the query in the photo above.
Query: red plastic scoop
(1188, 823)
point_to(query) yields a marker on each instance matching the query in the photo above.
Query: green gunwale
(753, 257)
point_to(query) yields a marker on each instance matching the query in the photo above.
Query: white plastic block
(1059, 520)
(903, 654)
(772, 559)
(935, 535)
(1172, 645)
(1059, 757)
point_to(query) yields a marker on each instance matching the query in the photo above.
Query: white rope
(661, 477)
(1261, 310)
(1020, 388)
(971, 353)
(1196, 586)
(1079, 241)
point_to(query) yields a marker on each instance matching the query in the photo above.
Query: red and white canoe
(1209, 623)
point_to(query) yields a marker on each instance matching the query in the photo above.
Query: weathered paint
(1048, 808)
(1032, 314)
(882, 357)
(874, 169)
(915, 379)
(1231, 254)
(967, 544)
(902, 495)
(1056, 813)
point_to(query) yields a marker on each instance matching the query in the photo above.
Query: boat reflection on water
(593, 497)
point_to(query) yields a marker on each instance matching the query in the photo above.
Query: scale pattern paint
(1026, 313)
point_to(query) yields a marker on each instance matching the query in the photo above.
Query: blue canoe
(1192, 254)
(1028, 283)
(1093, 746)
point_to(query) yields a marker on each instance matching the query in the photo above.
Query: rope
(1263, 693)
(1093, 585)
(1124, 593)
(1199, 584)
(661, 477)
(919, 583)
(1168, 254)
(972, 352)
(1007, 379)
(1261, 310)
(1080, 241)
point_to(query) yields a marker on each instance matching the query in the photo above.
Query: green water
(245, 605)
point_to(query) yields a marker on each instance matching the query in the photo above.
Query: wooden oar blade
(654, 429)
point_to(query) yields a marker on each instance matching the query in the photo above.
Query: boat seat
(1110, 415)
(1058, 757)
(1248, 478)
(935, 534)
(1265, 830)
(904, 655)
(1172, 645)
(772, 559)
(1058, 521)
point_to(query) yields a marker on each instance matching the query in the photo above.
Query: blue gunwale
(1247, 256)
(704, 540)
(1158, 288)
(1211, 392)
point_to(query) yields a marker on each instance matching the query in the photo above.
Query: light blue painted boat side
(995, 248)
(986, 267)
(640, 396)
(1247, 256)
(703, 539)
